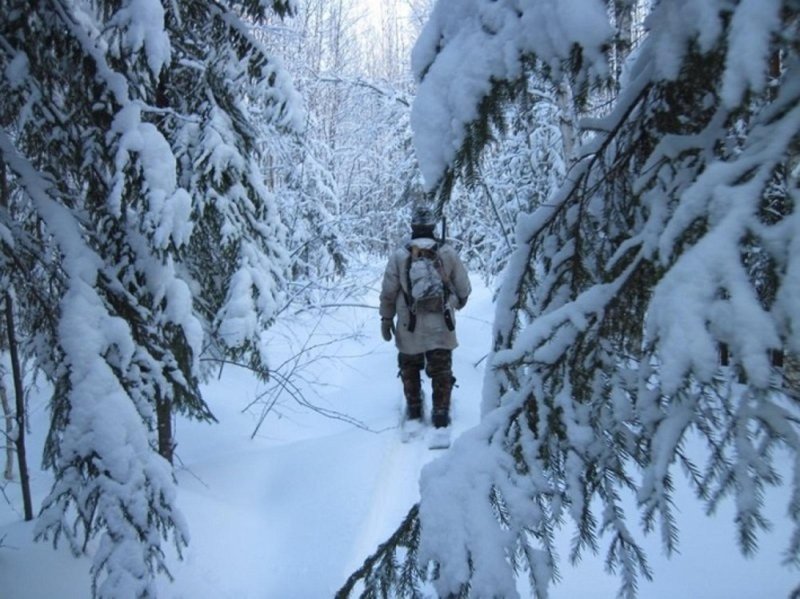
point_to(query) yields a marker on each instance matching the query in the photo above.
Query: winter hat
(422, 216)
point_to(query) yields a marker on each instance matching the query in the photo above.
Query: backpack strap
(447, 291)
(445, 279)
(412, 320)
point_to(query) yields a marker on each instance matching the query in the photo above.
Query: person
(424, 334)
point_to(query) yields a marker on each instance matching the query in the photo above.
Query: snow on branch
(106, 468)
(466, 46)
(142, 23)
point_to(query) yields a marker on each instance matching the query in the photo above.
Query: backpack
(426, 286)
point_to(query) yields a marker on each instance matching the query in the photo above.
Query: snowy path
(393, 492)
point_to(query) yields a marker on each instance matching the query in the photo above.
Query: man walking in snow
(424, 283)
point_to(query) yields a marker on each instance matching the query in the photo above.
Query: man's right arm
(389, 289)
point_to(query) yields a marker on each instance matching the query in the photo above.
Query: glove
(387, 328)
(456, 302)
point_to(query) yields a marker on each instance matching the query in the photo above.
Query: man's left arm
(459, 282)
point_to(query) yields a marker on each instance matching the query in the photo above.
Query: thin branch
(189, 471)
(325, 306)
(360, 82)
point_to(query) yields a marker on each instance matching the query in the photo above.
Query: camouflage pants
(438, 365)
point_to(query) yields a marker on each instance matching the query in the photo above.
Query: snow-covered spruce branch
(392, 571)
(127, 205)
(25, 284)
(82, 317)
(519, 273)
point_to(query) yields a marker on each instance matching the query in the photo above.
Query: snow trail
(394, 490)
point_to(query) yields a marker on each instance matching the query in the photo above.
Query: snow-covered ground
(292, 511)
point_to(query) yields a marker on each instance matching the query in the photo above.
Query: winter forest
(197, 202)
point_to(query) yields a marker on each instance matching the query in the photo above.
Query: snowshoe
(411, 429)
(413, 422)
(439, 438)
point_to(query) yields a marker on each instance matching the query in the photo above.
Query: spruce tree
(645, 307)
(140, 234)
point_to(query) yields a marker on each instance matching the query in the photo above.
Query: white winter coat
(430, 332)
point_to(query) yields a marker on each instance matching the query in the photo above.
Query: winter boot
(412, 389)
(440, 418)
(442, 390)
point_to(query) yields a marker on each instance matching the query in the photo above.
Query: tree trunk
(8, 471)
(17, 375)
(166, 446)
(20, 405)
(567, 123)
(623, 41)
